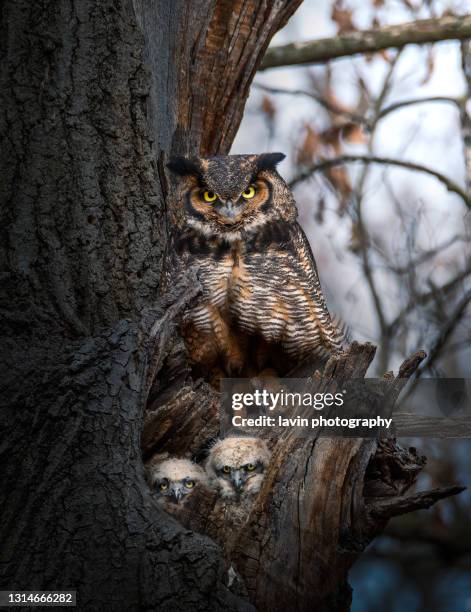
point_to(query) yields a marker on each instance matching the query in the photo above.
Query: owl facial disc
(225, 191)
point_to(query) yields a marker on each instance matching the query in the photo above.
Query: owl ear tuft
(269, 161)
(184, 166)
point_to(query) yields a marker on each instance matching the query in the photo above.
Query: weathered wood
(94, 95)
(418, 426)
(389, 507)
(323, 500)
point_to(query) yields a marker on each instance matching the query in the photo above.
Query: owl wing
(331, 332)
(308, 277)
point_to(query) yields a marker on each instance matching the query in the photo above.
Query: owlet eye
(163, 486)
(209, 196)
(250, 467)
(226, 469)
(249, 193)
(189, 484)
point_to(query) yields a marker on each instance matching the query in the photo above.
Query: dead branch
(423, 298)
(332, 108)
(369, 41)
(321, 503)
(455, 317)
(387, 508)
(465, 118)
(413, 101)
(373, 159)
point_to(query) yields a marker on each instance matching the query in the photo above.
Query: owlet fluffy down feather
(262, 304)
(236, 466)
(174, 480)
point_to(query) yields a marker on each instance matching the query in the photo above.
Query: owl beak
(176, 494)
(228, 209)
(237, 480)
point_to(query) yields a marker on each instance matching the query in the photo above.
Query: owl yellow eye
(163, 486)
(249, 193)
(226, 469)
(209, 196)
(189, 484)
(250, 467)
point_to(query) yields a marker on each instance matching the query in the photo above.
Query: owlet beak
(237, 480)
(176, 494)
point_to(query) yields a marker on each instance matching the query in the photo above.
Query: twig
(360, 224)
(369, 41)
(465, 119)
(319, 99)
(446, 331)
(420, 259)
(373, 159)
(423, 298)
(389, 507)
(401, 104)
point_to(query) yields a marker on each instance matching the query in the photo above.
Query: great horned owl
(175, 480)
(236, 466)
(262, 304)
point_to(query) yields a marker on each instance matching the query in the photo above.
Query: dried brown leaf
(430, 66)
(310, 145)
(331, 137)
(339, 179)
(343, 18)
(353, 132)
(268, 108)
(355, 238)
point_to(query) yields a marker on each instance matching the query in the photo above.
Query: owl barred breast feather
(262, 304)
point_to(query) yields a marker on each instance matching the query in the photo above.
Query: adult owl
(174, 480)
(236, 466)
(262, 304)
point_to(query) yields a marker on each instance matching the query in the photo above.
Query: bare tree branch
(389, 507)
(360, 223)
(423, 298)
(373, 159)
(401, 104)
(319, 99)
(448, 327)
(420, 259)
(369, 41)
(465, 119)
(354, 116)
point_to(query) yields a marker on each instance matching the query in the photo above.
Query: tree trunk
(94, 96)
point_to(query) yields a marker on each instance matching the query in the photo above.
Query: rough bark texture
(322, 502)
(369, 41)
(92, 94)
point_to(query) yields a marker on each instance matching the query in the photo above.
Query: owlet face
(231, 192)
(238, 465)
(175, 479)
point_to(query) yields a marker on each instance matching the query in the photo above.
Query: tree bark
(93, 95)
(322, 502)
(323, 50)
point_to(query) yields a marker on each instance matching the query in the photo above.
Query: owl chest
(229, 282)
(246, 289)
